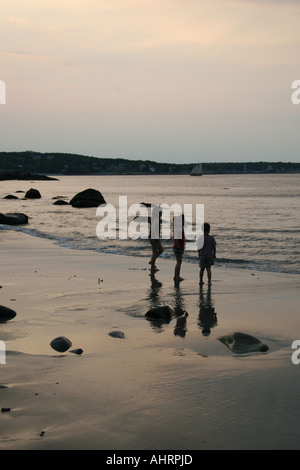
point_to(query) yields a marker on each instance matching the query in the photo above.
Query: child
(178, 249)
(207, 254)
(154, 238)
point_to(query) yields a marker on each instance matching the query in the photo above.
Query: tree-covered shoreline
(74, 164)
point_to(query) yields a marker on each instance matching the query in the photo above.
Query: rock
(61, 344)
(243, 343)
(77, 351)
(117, 334)
(5, 410)
(32, 194)
(6, 314)
(20, 175)
(164, 312)
(87, 198)
(13, 219)
(60, 202)
(10, 196)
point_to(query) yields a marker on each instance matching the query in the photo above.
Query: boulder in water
(87, 198)
(13, 218)
(243, 343)
(32, 194)
(6, 314)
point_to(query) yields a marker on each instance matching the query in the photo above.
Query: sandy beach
(162, 386)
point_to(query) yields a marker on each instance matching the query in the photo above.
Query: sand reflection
(207, 315)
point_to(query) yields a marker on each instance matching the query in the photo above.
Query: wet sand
(163, 386)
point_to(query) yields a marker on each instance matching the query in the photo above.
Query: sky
(181, 81)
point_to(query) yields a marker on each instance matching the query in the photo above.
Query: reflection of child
(178, 249)
(207, 254)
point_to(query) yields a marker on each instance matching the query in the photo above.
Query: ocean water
(254, 218)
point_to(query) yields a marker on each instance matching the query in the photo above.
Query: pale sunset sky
(164, 80)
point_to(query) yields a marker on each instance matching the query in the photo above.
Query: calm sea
(254, 218)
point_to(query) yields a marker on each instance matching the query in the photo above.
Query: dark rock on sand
(117, 334)
(6, 314)
(32, 194)
(13, 218)
(61, 344)
(164, 312)
(87, 198)
(243, 343)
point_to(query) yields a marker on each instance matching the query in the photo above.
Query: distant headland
(29, 164)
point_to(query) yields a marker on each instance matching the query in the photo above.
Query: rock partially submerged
(61, 344)
(242, 343)
(13, 218)
(77, 351)
(10, 196)
(33, 194)
(87, 198)
(6, 314)
(60, 202)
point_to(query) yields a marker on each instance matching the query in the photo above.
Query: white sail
(197, 170)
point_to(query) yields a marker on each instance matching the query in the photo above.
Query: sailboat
(197, 170)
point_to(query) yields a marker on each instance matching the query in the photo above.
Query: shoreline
(166, 386)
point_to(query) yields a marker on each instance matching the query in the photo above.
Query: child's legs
(208, 269)
(155, 255)
(157, 250)
(178, 265)
(201, 274)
